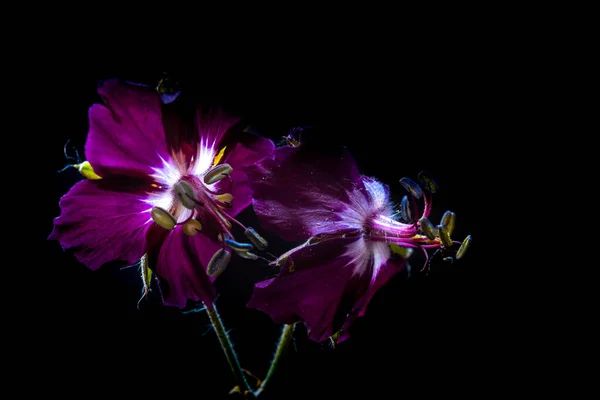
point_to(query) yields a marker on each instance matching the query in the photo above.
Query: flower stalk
(284, 341)
(230, 354)
(232, 359)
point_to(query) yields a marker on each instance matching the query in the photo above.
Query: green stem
(227, 347)
(284, 341)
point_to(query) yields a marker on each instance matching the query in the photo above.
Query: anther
(463, 247)
(444, 235)
(428, 228)
(448, 221)
(224, 198)
(247, 255)
(186, 194)
(218, 263)
(217, 173)
(163, 218)
(405, 210)
(412, 187)
(258, 241)
(192, 227)
(427, 182)
(238, 246)
(291, 141)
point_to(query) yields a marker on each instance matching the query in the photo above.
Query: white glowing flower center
(173, 170)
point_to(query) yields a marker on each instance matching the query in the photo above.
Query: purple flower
(168, 189)
(350, 226)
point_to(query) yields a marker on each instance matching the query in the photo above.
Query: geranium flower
(167, 189)
(348, 225)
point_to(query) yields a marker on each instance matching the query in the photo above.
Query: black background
(440, 332)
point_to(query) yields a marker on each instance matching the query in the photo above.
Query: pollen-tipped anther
(463, 247)
(448, 220)
(186, 194)
(217, 173)
(192, 227)
(428, 183)
(163, 218)
(258, 241)
(411, 186)
(218, 263)
(428, 228)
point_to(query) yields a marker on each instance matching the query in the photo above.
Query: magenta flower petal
(126, 135)
(298, 195)
(309, 288)
(386, 272)
(182, 263)
(213, 125)
(102, 225)
(303, 194)
(241, 156)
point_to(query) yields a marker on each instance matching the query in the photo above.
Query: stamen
(221, 217)
(428, 183)
(405, 212)
(192, 227)
(242, 247)
(426, 263)
(213, 210)
(187, 220)
(463, 247)
(225, 198)
(163, 218)
(186, 194)
(412, 187)
(238, 223)
(258, 241)
(444, 235)
(428, 228)
(427, 202)
(222, 205)
(247, 255)
(291, 141)
(218, 263)
(448, 220)
(217, 173)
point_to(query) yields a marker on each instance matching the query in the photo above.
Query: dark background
(440, 332)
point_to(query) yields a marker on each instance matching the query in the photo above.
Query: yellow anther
(192, 227)
(224, 198)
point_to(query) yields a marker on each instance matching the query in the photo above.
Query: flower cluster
(164, 187)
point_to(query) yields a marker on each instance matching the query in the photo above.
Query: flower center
(195, 201)
(413, 233)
